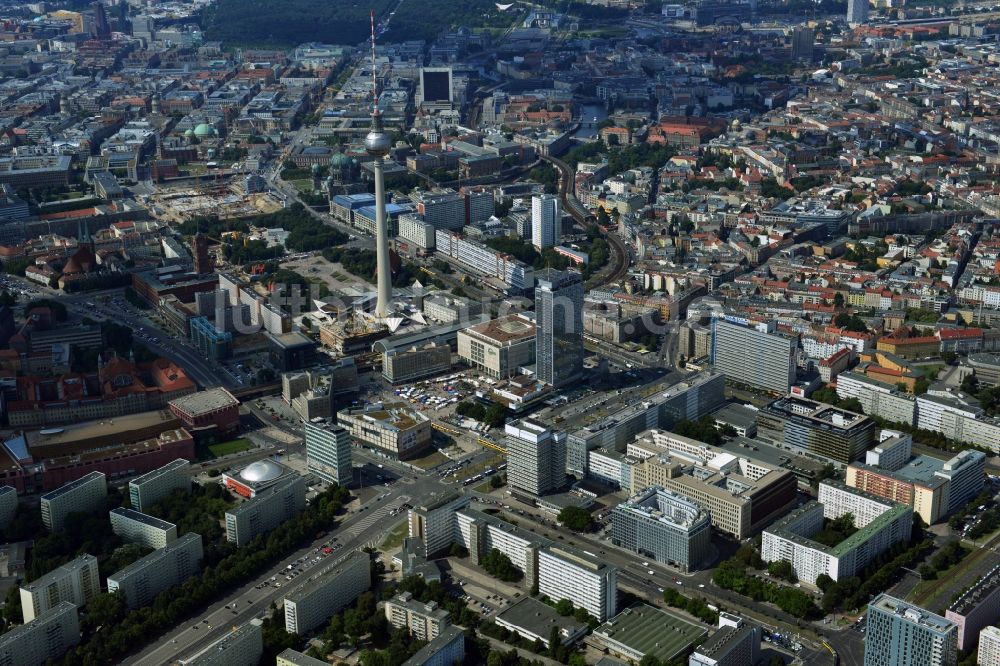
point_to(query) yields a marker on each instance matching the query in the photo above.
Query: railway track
(584, 217)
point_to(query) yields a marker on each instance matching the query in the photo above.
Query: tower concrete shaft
(383, 275)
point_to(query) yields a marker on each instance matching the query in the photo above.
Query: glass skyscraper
(559, 327)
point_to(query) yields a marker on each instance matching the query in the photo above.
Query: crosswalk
(373, 517)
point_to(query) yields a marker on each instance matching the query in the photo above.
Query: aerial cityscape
(461, 332)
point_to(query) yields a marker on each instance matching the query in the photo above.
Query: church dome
(204, 129)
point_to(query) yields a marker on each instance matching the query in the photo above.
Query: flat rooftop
(143, 518)
(645, 629)
(538, 618)
(178, 464)
(73, 485)
(110, 428)
(505, 330)
(204, 402)
(914, 614)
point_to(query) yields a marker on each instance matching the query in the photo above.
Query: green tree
(576, 519)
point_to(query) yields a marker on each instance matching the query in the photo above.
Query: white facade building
(989, 647)
(145, 578)
(148, 489)
(86, 494)
(323, 594)
(586, 581)
(76, 582)
(243, 646)
(268, 509)
(42, 640)
(546, 215)
(136, 527)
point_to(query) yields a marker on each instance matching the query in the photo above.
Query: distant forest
(291, 22)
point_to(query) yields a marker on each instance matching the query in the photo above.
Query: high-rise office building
(802, 43)
(436, 86)
(8, 505)
(146, 490)
(901, 634)
(536, 458)
(816, 428)
(43, 640)
(546, 217)
(857, 12)
(86, 494)
(442, 209)
(328, 451)
(76, 581)
(755, 355)
(559, 327)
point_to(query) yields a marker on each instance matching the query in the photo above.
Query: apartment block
(586, 581)
(323, 594)
(268, 509)
(76, 582)
(878, 398)
(989, 647)
(136, 527)
(8, 505)
(881, 524)
(147, 577)
(146, 490)
(42, 640)
(500, 270)
(243, 646)
(85, 495)
(447, 649)
(424, 621)
(901, 634)
(433, 522)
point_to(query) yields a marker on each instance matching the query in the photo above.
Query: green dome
(340, 160)
(315, 168)
(204, 129)
(189, 132)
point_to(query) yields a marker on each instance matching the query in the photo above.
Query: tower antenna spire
(375, 111)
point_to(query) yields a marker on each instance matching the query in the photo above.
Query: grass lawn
(305, 185)
(395, 538)
(432, 459)
(232, 446)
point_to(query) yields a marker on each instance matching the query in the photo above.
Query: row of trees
(854, 592)
(696, 607)
(576, 518)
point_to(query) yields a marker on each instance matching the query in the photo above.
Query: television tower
(377, 144)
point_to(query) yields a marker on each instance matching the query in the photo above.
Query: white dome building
(256, 477)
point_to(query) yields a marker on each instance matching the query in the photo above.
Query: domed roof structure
(262, 470)
(204, 129)
(189, 132)
(315, 169)
(340, 160)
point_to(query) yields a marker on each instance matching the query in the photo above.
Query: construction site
(219, 199)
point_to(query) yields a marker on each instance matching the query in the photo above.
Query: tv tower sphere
(378, 143)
